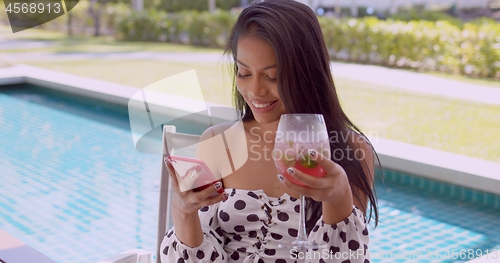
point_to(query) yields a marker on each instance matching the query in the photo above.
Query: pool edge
(434, 164)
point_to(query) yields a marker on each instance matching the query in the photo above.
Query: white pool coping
(434, 164)
(14, 250)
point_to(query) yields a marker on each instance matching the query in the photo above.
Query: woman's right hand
(189, 202)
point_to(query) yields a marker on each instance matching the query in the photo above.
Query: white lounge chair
(185, 145)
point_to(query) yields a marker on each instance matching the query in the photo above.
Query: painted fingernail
(290, 170)
(165, 160)
(312, 152)
(218, 185)
(280, 177)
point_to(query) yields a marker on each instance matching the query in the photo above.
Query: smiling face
(256, 78)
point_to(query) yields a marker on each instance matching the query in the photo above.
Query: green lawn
(485, 82)
(106, 44)
(61, 43)
(447, 124)
(213, 77)
(451, 125)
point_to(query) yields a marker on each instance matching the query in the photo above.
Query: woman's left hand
(332, 190)
(327, 188)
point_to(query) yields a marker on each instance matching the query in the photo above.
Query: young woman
(281, 66)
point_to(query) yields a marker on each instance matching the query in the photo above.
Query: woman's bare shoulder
(218, 129)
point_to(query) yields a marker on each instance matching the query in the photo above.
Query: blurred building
(392, 6)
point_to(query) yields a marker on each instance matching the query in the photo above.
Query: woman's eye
(239, 75)
(270, 79)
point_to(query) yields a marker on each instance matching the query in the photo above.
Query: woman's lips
(262, 107)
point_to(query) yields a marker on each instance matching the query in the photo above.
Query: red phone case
(185, 166)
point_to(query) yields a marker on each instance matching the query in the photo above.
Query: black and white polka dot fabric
(248, 227)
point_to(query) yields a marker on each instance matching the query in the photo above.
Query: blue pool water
(74, 187)
(428, 221)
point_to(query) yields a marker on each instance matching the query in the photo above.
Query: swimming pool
(74, 187)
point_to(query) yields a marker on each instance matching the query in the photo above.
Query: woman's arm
(347, 194)
(185, 206)
(339, 209)
(194, 215)
(188, 226)
(346, 241)
(209, 250)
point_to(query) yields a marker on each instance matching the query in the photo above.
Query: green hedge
(187, 27)
(423, 45)
(473, 49)
(183, 5)
(428, 15)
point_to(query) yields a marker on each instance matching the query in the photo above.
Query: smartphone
(192, 173)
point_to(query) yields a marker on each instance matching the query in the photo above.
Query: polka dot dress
(249, 226)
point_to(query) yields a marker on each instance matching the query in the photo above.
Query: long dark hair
(305, 83)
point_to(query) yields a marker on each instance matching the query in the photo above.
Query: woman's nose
(257, 88)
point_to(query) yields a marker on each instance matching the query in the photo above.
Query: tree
(95, 13)
(354, 8)
(70, 23)
(138, 5)
(211, 6)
